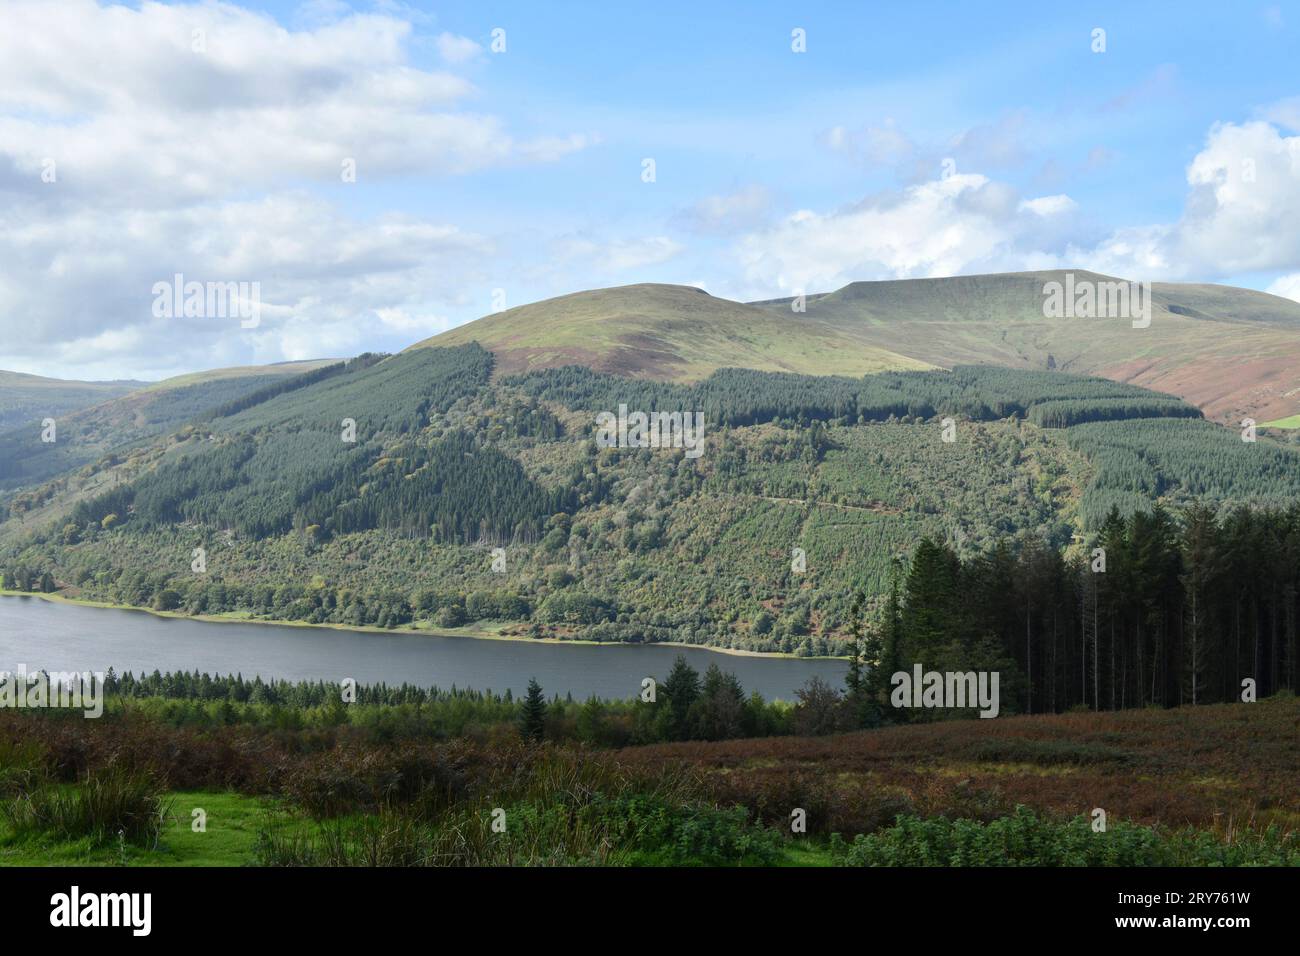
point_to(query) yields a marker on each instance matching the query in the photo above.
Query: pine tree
(853, 679)
(682, 688)
(930, 614)
(881, 652)
(1201, 556)
(532, 713)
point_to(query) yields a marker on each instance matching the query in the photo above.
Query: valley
(477, 491)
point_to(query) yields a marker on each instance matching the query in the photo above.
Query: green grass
(1291, 422)
(807, 852)
(233, 821)
(277, 370)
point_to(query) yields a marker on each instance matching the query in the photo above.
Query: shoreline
(476, 634)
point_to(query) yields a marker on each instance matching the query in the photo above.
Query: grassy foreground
(1211, 786)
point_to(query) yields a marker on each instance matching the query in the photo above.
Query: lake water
(66, 637)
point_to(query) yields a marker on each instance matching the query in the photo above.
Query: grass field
(233, 821)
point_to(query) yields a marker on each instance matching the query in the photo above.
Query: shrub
(1025, 839)
(109, 803)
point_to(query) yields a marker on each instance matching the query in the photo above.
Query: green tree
(719, 713)
(682, 688)
(532, 713)
(166, 600)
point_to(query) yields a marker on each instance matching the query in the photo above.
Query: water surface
(69, 637)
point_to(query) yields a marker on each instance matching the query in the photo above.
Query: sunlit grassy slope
(668, 332)
(1233, 352)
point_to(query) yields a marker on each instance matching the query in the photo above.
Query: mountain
(1232, 352)
(30, 398)
(667, 332)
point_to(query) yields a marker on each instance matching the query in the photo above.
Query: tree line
(687, 705)
(1158, 611)
(738, 397)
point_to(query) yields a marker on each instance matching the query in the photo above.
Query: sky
(384, 171)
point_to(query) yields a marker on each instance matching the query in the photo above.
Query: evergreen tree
(931, 613)
(682, 688)
(1201, 557)
(866, 690)
(882, 652)
(853, 679)
(532, 713)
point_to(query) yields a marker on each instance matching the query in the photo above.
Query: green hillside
(27, 399)
(807, 487)
(666, 332)
(114, 427)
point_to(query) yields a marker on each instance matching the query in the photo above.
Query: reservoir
(67, 637)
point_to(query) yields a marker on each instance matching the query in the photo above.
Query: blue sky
(908, 140)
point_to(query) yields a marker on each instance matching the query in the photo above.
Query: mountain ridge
(1231, 351)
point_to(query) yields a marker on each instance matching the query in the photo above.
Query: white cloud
(884, 145)
(191, 101)
(1050, 205)
(1286, 286)
(329, 284)
(1240, 214)
(457, 49)
(944, 227)
(182, 137)
(1285, 113)
(637, 254)
(999, 144)
(992, 145)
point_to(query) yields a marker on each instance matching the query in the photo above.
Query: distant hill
(1232, 352)
(29, 398)
(134, 415)
(668, 332)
